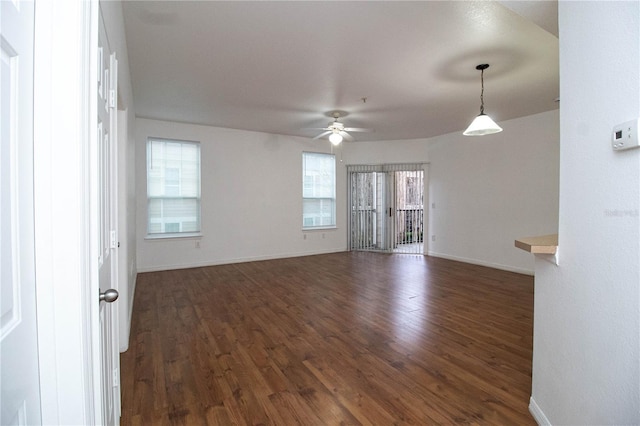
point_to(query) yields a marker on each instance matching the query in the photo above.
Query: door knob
(109, 296)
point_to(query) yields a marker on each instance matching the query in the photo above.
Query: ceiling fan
(337, 131)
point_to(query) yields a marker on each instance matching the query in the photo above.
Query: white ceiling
(282, 67)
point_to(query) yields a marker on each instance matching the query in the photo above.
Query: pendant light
(482, 124)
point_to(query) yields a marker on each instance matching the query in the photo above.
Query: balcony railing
(409, 225)
(366, 234)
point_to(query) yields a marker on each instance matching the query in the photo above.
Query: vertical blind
(173, 186)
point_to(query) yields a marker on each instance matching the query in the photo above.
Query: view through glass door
(386, 208)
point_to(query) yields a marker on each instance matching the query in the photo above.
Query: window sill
(156, 237)
(320, 228)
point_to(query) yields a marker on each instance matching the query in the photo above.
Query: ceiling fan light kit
(482, 124)
(335, 138)
(337, 132)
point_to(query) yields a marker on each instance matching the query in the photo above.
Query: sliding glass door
(368, 207)
(408, 235)
(386, 205)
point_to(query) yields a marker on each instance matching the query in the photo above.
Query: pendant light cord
(482, 91)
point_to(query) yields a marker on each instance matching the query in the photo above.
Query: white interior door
(19, 377)
(106, 179)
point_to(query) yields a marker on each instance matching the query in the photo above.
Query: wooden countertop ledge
(544, 244)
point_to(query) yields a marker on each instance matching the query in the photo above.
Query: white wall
(386, 152)
(251, 199)
(490, 190)
(256, 214)
(114, 24)
(587, 309)
(478, 215)
(487, 190)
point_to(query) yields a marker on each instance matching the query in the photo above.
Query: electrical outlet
(304, 236)
(197, 243)
(433, 238)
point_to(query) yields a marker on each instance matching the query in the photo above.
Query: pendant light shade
(482, 124)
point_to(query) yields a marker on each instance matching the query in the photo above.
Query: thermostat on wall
(625, 135)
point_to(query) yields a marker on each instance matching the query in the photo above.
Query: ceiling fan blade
(322, 134)
(357, 129)
(347, 136)
(315, 128)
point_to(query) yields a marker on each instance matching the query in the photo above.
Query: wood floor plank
(342, 338)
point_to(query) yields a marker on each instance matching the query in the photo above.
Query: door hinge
(114, 242)
(116, 377)
(112, 98)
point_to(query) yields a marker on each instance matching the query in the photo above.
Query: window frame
(197, 197)
(331, 199)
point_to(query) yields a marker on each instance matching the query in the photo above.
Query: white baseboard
(537, 413)
(157, 268)
(483, 263)
(229, 261)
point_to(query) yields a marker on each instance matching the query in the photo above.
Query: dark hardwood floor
(344, 338)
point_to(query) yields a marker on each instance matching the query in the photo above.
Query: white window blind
(173, 187)
(318, 190)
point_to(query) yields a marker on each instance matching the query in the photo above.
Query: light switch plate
(625, 136)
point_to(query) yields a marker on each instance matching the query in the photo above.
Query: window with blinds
(173, 187)
(318, 190)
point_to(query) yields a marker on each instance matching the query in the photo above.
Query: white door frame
(66, 258)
